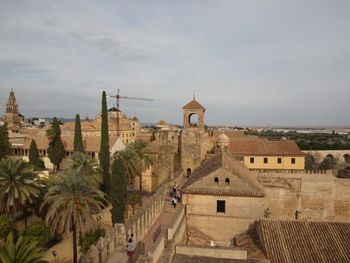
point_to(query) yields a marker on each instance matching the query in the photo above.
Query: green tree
(141, 148)
(21, 251)
(56, 149)
(72, 203)
(87, 168)
(33, 154)
(134, 200)
(18, 187)
(104, 147)
(130, 163)
(78, 139)
(34, 159)
(118, 191)
(4, 142)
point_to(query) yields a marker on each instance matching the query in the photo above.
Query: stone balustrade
(138, 225)
(292, 171)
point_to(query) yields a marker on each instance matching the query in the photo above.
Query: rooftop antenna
(117, 98)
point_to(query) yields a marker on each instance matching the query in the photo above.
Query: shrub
(91, 238)
(37, 232)
(4, 227)
(40, 165)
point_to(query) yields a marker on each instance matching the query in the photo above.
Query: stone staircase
(168, 207)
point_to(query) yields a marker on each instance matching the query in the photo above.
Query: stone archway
(346, 158)
(193, 119)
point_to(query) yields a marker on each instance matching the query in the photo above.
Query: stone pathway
(165, 220)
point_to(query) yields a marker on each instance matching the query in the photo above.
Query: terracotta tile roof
(223, 165)
(264, 147)
(305, 241)
(193, 105)
(85, 125)
(91, 144)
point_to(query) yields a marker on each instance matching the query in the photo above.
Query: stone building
(129, 128)
(197, 144)
(12, 116)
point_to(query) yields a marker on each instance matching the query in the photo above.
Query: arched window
(227, 181)
(216, 180)
(193, 119)
(346, 158)
(188, 171)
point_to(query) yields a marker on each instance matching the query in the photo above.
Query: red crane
(118, 97)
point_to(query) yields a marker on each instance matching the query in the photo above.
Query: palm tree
(21, 251)
(87, 167)
(130, 162)
(141, 149)
(72, 201)
(18, 187)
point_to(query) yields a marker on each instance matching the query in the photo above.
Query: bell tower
(12, 118)
(192, 136)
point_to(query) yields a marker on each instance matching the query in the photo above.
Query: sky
(256, 63)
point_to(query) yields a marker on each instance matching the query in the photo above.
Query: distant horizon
(66, 119)
(250, 63)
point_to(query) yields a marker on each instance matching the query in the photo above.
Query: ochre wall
(272, 162)
(240, 213)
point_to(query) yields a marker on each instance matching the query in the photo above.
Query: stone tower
(12, 118)
(192, 136)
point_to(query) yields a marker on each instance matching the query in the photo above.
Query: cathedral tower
(12, 118)
(192, 136)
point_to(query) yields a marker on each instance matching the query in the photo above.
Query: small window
(227, 181)
(265, 160)
(220, 206)
(216, 180)
(279, 160)
(293, 160)
(251, 159)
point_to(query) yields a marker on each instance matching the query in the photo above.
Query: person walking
(130, 248)
(178, 195)
(174, 201)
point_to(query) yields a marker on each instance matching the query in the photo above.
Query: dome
(223, 140)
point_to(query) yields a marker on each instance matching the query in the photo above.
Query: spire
(194, 94)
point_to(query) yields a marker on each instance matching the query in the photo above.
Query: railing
(292, 171)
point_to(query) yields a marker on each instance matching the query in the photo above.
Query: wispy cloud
(249, 61)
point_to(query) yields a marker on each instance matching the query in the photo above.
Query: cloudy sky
(250, 62)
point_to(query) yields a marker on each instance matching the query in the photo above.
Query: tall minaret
(11, 117)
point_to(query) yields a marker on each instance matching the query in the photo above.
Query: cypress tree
(104, 146)
(78, 139)
(33, 153)
(56, 149)
(118, 191)
(4, 142)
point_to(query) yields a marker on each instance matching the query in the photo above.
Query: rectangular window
(265, 160)
(279, 160)
(251, 159)
(220, 206)
(293, 160)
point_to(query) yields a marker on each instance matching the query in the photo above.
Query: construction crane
(117, 98)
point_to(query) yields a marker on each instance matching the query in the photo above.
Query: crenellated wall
(139, 224)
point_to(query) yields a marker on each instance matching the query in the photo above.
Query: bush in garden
(91, 238)
(37, 232)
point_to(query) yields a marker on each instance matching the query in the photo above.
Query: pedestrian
(174, 189)
(174, 201)
(178, 195)
(130, 249)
